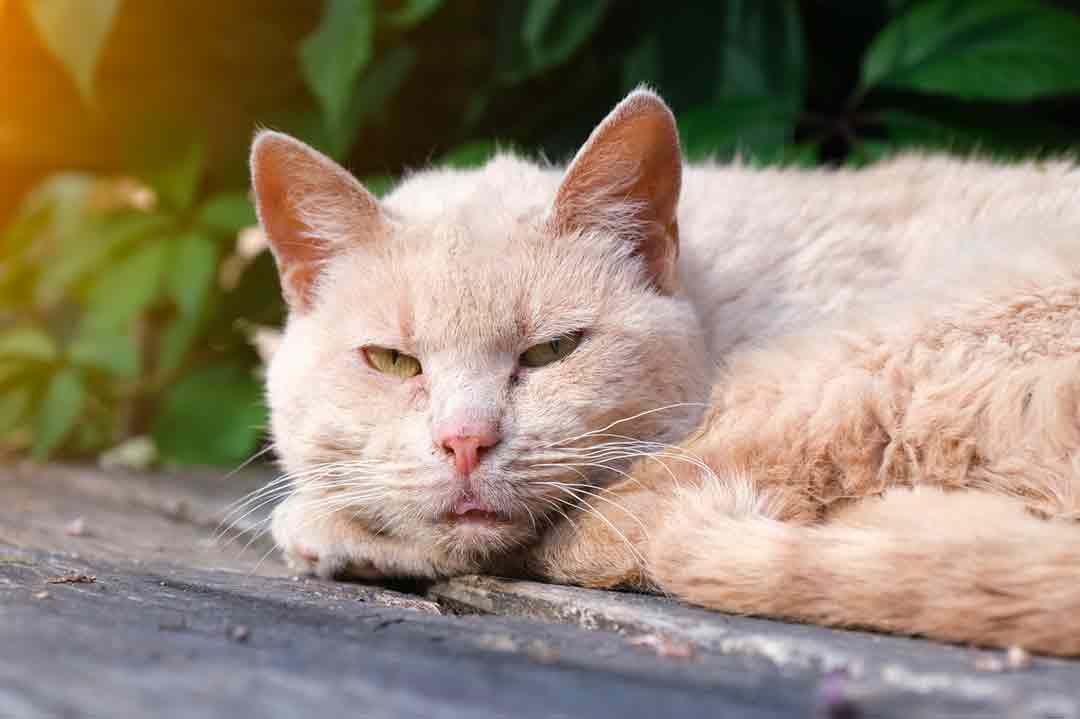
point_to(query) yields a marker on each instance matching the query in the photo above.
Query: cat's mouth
(475, 516)
(470, 510)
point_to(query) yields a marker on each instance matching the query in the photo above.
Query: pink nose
(467, 448)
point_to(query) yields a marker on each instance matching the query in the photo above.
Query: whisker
(249, 460)
(268, 498)
(585, 489)
(626, 419)
(605, 520)
(629, 477)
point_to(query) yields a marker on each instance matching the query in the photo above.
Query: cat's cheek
(418, 395)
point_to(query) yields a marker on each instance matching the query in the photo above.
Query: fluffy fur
(881, 365)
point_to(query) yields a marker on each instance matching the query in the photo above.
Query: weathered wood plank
(162, 641)
(874, 668)
(177, 626)
(128, 515)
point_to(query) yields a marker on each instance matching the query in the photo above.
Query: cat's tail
(963, 566)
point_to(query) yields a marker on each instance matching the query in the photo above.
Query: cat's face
(449, 361)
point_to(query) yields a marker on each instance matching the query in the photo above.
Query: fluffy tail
(963, 566)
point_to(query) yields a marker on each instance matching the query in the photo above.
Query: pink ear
(626, 179)
(310, 208)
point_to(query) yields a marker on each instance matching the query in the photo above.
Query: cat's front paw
(329, 547)
(339, 546)
(600, 546)
(327, 562)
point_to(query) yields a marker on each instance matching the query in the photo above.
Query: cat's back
(771, 249)
(891, 193)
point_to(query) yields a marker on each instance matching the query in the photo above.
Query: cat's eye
(393, 362)
(550, 351)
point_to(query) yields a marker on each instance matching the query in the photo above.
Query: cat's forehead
(469, 261)
(505, 188)
(480, 282)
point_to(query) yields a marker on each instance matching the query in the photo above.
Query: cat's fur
(890, 360)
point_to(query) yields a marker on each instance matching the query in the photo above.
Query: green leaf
(227, 213)
(753, 127)
(213, 415)
(64, 194)
(379, 185)
(332, 58)
(114, 351)
(413, 12)
(800, 154)
(28, 343)
(191, 274)
(470, 154)
(89, 250)
(90, 435)
(762, 53)
(127, 287)
(15, 405)
(378, 85)
(19, 240)
(1008, 133)
(177, 340)
(190, 284)
(12, 370)
(1006, 50)
(176, 172)
(553, 30)
(60, 409)
(369, 100)
(74, 31)
(867, 152)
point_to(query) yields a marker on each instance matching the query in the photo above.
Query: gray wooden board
(158, 633)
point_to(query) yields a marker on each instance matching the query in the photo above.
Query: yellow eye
(550, 351)
(390, 361)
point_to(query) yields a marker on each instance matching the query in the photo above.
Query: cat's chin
(483, 534)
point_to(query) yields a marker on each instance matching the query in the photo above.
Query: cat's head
(456, 353)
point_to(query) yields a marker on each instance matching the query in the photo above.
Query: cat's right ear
(625, 181)
(310, 209)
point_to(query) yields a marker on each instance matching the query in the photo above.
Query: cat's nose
(468, 448)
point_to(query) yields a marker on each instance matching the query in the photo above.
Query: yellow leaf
(74, 31)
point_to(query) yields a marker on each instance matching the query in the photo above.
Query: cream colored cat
(845, 397)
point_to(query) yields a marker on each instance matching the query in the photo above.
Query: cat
(846, 397)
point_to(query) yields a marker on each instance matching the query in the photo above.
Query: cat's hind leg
(960, 566)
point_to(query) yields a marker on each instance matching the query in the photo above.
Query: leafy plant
(109, 294)
(125, 298)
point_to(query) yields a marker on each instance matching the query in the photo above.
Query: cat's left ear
(626, 180)
(311, 208)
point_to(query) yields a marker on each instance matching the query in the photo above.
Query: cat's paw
(330, 547)
(602, 546)
(328, 563)
(339, 546)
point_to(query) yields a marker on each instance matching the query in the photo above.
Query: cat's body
(853, 334)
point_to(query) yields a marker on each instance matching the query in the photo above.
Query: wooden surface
(174, 625)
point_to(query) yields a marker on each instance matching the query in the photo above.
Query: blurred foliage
(127, 299)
